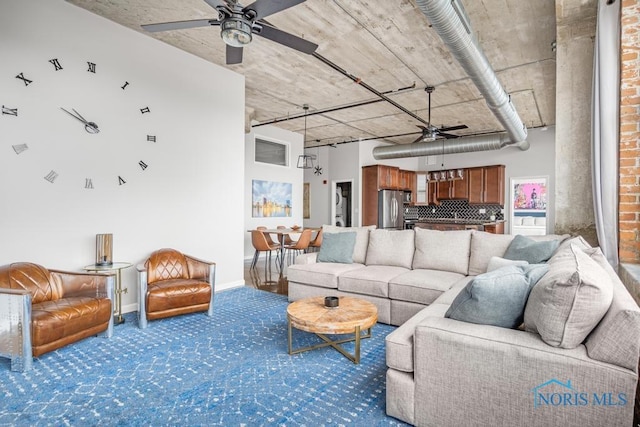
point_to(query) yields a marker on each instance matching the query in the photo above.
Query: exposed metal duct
(450, 20)
(451, 146)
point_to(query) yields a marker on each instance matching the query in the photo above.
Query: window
(274, 153)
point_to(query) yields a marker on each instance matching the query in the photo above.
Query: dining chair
(267, 235)
(287, 239)
(260, 244)
(316, 242)
(301, 245)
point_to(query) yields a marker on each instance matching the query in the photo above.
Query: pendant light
(305, 161)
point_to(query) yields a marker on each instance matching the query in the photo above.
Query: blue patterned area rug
(231, 369)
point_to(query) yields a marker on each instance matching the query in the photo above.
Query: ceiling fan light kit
(238, 24)
(236, 32)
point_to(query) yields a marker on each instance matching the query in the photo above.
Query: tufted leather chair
(42, 310)
(171, 283)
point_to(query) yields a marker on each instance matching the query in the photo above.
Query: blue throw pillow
(337, 247)
(497, 298)
(532, 251)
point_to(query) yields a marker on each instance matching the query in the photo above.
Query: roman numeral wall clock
(88, 126)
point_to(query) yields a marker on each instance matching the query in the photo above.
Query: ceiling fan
(430, 132)
(239, 23)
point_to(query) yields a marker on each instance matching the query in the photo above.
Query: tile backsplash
(448, 209)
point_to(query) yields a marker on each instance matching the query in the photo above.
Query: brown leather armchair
(171, 283)
(42, 310)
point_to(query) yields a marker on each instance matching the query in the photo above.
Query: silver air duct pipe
(450, 20)
(459, 145)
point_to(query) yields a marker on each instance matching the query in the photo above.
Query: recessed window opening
(274, 153)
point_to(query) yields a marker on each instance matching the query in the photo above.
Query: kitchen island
(442, 224)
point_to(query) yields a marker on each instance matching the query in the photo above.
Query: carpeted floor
(231, 369)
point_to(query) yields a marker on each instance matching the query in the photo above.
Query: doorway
(342, 215)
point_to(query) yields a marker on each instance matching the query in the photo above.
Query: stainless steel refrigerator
(390, 209)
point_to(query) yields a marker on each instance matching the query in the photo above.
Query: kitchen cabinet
(406, 179)
(455, 189)
(432, 193)
(375, 178)
(485, 185)
(494, 184)
(497, 228)
(412, 186)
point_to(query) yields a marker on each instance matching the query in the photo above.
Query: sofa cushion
(371, 280)
(337, 247)
(323, 274)
(497, 262)
(616, 339)
(570, 300)
(498, 297)
(422, 286)
(391, 247)
(484, 246)
(526, 249)
(442, 250)
(362, 239)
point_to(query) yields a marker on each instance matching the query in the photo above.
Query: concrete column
(574, 73)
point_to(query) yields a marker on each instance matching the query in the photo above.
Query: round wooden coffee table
(350, 317)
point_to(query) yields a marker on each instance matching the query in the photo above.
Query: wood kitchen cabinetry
(486, 185)
(407, 178)
(456, 189)
(426, 191)
(497, 228)
(375, 178)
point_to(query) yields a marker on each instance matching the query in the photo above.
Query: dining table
(281, 232)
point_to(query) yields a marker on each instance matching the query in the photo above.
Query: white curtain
(605, 125)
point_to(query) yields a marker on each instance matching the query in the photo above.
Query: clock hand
(90, 127)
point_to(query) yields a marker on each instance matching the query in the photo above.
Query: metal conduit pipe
(450, 21)
(452, 146)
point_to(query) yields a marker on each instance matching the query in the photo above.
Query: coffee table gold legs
(355, 358)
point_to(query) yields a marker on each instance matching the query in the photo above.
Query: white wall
(194, 180)
(266, 172)
(319, 188)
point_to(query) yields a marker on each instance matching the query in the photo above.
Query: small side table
(117, 267)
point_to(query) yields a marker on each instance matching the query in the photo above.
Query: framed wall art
(270, 199)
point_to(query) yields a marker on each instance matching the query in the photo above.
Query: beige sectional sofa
(446, 372)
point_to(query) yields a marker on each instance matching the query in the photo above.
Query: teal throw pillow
(337, 247)
(497, 298)
(534, 252)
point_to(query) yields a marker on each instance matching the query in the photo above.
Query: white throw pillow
(391, 247)
(570, 300)
(443, 250)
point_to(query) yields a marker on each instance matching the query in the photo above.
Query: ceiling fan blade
(234, 55)
(180, 25)
(458, 127)
(264, 8)
(419, 139)
(284, 38)
(216, 3)
(448, 135)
